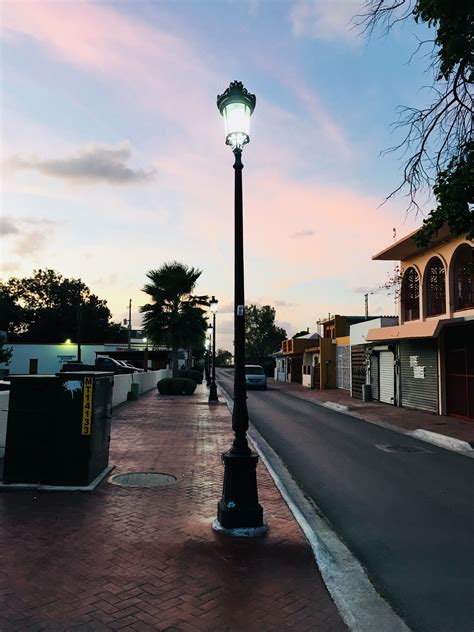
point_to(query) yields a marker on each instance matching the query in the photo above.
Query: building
(367, 358)
(289, 361)
(432, 347)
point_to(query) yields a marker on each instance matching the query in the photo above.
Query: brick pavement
(147, 559)
(375, 411)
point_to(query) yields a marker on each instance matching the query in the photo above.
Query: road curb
(434, 438)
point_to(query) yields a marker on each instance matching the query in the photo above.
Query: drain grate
(143, 479)
(402, 448)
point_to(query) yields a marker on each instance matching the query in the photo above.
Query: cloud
(281, 303)
(94, 163)
(7, 227)
(328, 20)
(30, 235)
(305, 232)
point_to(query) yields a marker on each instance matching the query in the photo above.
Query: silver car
(255, 377)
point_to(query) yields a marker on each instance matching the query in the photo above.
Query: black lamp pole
(208, 376)
(213, 388)
(239, 507)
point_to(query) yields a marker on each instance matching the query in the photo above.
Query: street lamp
(208, 347)
(145, 355)
(239, 511)
(213, 389)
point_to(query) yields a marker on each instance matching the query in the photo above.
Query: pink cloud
(146, 63)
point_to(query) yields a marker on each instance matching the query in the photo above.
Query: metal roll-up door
(386, 380)
(419, 374)
(374, 376)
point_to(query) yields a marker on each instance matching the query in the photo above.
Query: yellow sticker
(87, 406)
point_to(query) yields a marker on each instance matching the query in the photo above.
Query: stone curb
(434, 438)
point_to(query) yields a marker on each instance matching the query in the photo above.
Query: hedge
(176, 386)
(192, 374)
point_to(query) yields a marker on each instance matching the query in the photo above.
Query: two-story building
(432, 348)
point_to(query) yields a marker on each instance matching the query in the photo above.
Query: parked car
(131, 366)
(255, 377)
(102, 363)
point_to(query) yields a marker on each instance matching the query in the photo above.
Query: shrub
(192, 374)
(176, 386)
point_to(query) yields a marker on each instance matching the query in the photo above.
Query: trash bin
(366, 393)
(58, 428)
(134, 391)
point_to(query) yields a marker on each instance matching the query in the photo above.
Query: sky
(114, 158)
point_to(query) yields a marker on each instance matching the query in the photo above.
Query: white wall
(122, 385)
(146, 381)
(358, 332)
(50, 357)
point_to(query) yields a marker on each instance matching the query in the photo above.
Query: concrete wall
(122, 385)
(359, 331)
(50, 357)
(146, 381)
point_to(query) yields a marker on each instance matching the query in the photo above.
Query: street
(407, 516)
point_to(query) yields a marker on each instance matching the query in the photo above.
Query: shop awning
(418, 329)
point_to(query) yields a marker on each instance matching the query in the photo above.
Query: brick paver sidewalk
(147, 559)
(378, 412)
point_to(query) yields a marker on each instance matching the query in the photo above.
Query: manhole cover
(143, 479)
(401, 448)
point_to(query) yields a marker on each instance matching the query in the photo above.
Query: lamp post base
(239, 507)
(213, 399)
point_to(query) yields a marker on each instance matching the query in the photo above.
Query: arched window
(435, 287)
(463, 273)
(411, 295)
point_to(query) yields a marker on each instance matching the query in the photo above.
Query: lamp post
(145, 355)
(213, 389)
(206, 362)
(239, 511)
(208, 347)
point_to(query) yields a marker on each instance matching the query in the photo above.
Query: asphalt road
(408, 517)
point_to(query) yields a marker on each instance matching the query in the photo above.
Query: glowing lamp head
(236, 105)
(67, 341)
(213, 305)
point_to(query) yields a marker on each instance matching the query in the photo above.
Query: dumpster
(58, 428)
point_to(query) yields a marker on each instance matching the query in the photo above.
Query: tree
(47, 307)
(262, 336)
(175, 316)
(223, 357)
(438, 137)
(5, 352)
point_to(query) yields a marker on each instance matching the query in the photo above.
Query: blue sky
(114, 157)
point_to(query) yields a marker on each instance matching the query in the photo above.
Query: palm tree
(175, 316)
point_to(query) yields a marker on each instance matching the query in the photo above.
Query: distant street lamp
(207, 344)
(239, 508)
(213, 389)
(145, 355)
(208, 347)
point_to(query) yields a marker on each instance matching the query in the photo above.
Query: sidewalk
(404, 418)
(147, 559)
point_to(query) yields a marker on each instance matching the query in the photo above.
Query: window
(411, 295)
(435, 287)
(463, 267)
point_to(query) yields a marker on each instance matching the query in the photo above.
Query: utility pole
(79, 327)
(366, 296)
(129, 324)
